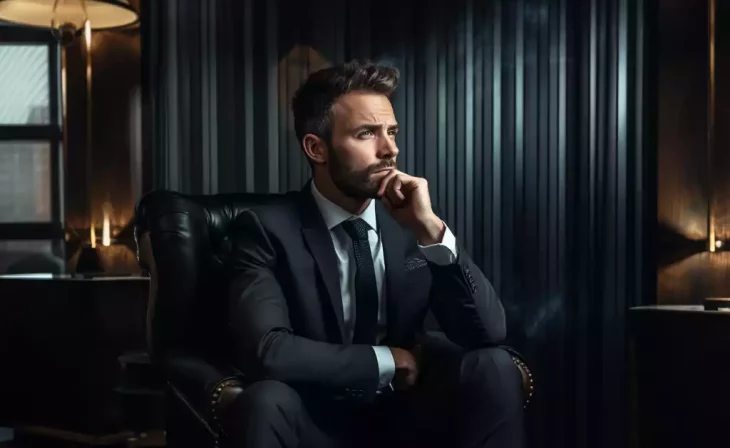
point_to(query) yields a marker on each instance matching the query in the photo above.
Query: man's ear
(315, 148)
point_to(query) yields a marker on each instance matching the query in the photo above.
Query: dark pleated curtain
(526, 116)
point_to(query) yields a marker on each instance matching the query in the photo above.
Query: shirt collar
(334, 215)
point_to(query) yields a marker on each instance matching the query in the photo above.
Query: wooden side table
(680, 359)
(60, 337)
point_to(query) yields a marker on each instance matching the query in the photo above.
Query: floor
(154, 439)
(6, 435)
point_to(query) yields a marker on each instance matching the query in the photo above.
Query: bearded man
(332, 287)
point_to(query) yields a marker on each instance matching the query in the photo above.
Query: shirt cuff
(443, 253)
(386, 366)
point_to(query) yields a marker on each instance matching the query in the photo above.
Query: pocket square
(415, 263)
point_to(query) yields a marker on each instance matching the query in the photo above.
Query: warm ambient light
(92, 236)
(103, 14)
(106, 238)
(106, 233)
(87, 35)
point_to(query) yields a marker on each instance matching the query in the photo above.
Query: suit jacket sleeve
(465, 304)
(265, 341)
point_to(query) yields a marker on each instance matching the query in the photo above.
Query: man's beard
(357, 184)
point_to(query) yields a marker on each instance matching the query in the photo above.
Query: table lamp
(67, 20)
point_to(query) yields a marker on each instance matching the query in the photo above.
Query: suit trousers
(470, 399)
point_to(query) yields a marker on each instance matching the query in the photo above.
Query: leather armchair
(183, 243)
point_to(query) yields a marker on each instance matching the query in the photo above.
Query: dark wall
(527, 117)
(693, 186)
(720, 156)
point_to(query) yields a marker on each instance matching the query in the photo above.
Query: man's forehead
(365, 108)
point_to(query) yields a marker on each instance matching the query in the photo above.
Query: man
(332, 286)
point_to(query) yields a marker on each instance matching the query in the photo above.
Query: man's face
(362, 150)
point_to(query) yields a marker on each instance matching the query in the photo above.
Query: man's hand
(406, 368)
(408, 200)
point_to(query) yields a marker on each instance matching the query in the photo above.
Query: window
(31, 216)
(24, 86)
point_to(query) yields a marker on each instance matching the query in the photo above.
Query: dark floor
(6, 435)
(19, 441)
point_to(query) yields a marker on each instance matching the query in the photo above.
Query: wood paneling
(526, 116)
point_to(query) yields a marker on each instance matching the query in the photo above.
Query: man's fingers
(398, 187)
(386, 180)
(394, 191)
(412, 377)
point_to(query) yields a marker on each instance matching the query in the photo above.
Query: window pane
(25, 182)
(28, 257)
(24, 84)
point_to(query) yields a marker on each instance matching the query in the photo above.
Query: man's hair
(313, 101)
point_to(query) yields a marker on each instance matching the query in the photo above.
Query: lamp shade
(101, 14)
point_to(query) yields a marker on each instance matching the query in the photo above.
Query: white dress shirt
(334, 215)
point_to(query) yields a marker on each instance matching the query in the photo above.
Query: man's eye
(366, 134)
(393, 132)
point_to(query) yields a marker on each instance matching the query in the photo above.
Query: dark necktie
(366, 288)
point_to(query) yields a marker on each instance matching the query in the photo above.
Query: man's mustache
(390, 163)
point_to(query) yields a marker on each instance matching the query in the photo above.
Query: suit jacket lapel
(318, 240)
(394, 248)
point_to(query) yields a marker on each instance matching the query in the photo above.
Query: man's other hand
(406, 368)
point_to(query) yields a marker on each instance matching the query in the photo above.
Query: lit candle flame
(92, 237)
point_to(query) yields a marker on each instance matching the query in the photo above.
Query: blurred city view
(25, 166)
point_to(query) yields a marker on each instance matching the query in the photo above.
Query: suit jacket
(286, 312)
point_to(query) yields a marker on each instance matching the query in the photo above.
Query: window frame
(52, 133)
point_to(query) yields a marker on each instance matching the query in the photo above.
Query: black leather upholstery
(189, 237)
(183, 242)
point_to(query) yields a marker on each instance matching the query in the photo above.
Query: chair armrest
(208, 389)
(528, 384)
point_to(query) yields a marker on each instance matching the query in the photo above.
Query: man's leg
(492, 400)
(270, 414)
(464, 399)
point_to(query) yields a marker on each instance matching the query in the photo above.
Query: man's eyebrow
(373, 127)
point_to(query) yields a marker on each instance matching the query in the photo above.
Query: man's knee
(491, 374)
(268, 399)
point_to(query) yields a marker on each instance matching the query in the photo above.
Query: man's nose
(388, 148)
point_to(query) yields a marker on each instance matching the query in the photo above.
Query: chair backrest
(184, 243)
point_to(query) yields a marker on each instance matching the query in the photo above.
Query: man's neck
(328, 189)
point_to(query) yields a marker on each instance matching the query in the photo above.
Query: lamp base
(89, 261)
